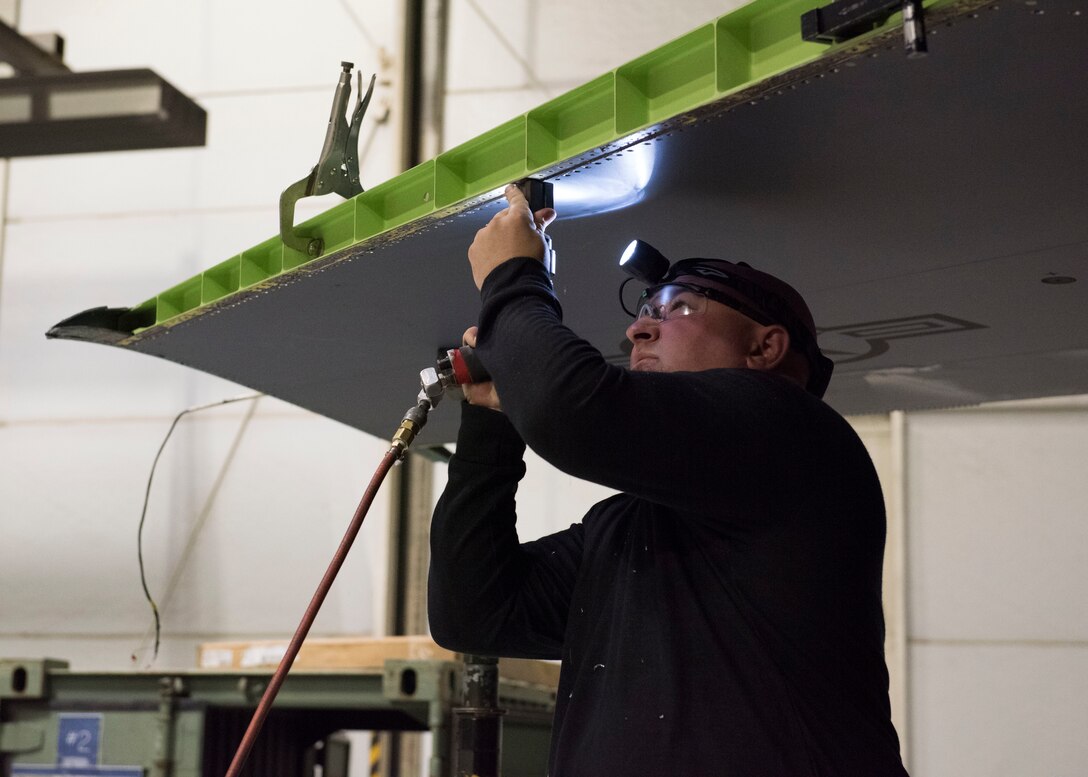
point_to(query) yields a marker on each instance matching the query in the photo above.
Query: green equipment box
(54, 721)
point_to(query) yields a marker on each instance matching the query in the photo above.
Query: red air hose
(274, 684)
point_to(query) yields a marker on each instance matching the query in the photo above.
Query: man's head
(708, 313)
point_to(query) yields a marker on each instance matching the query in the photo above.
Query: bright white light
(616, 183)
(628, 252)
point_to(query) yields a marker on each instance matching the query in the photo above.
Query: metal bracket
(427, 679)
(846, 19)
(337, 169)
(32, 57)
(27, 679)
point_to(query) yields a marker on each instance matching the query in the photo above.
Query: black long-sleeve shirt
(722, 615)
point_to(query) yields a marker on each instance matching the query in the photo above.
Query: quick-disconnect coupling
(413, 421)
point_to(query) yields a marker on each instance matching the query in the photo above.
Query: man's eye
(680, 307)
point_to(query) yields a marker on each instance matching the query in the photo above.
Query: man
(720, 616)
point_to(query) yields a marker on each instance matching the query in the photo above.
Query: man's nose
(644, 329)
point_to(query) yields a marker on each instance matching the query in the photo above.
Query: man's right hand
(482, 394)
(512, 232)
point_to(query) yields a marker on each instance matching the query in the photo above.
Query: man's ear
(770, 345)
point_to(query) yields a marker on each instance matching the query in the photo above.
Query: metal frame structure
(187, 724)
(48, 109)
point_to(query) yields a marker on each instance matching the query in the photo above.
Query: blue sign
(79, 745)
(78, 740)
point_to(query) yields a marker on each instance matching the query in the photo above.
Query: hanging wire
(147, 497)
(511, 49)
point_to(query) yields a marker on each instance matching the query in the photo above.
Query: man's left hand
(511, 233)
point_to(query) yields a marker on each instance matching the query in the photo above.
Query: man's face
(716, 337)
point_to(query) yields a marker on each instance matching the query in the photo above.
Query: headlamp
(643, 262)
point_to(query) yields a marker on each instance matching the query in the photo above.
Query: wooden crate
(358, 653)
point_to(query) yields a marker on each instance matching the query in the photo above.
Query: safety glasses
(672, 300)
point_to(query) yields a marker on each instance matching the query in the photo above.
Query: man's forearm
(473, 535)
(488, 593)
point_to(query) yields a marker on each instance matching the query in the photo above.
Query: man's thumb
(544, 217)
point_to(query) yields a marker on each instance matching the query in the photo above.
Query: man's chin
(646, 364)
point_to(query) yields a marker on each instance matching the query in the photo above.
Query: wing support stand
(337, 169)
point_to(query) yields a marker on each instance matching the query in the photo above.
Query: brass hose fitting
(413, 421)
